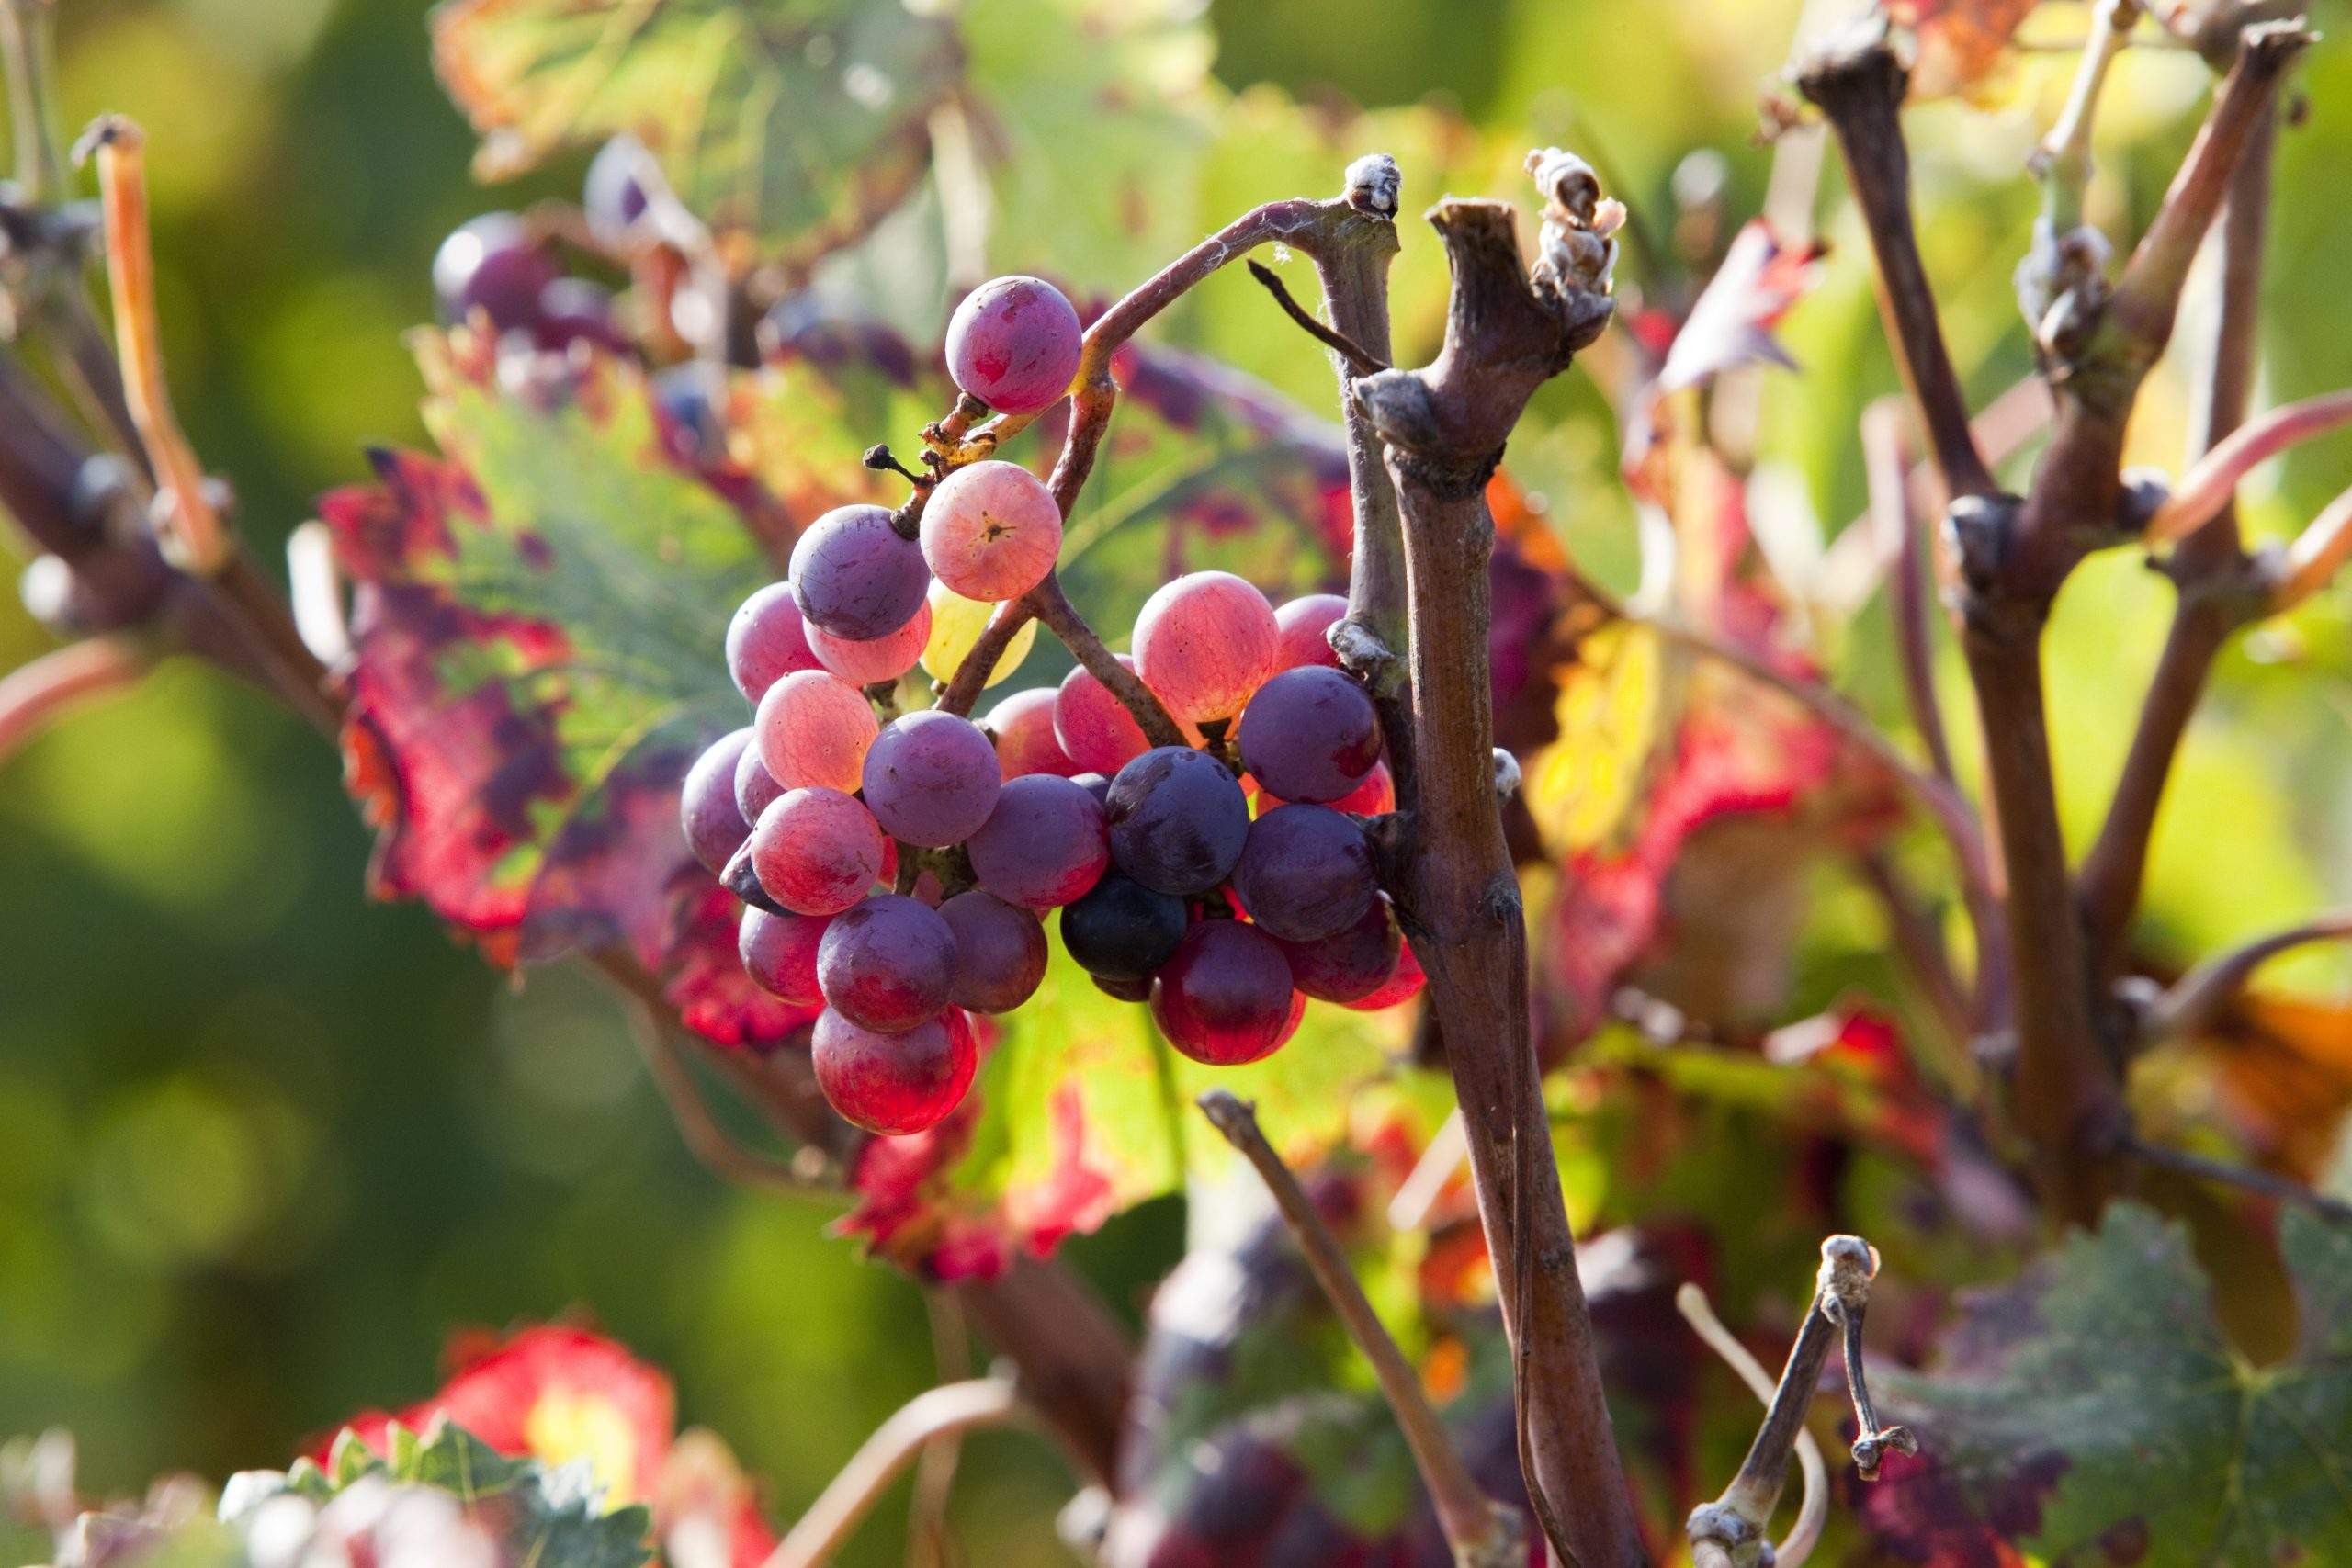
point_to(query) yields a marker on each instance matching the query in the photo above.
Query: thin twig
(929, 1544)
(942, 1411)
(2229, 1174)
(711, 1142)
(1362, 361)
(2193, 1000)
(25, 41)
(2314, 557)
(1440, 1161)
(36, 694)
(1812, 1507)
(1481, 1531)
(1910, 600)
(2214, 481)
(2064, 159)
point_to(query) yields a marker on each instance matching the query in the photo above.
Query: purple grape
(755, 787)
(490, 264)
(931, 778)
(779, 953)
(1305, 872)
(855, 576)
(1122, 930)
(1178, 820)
(1014, 344)
(614, 198)
(1095, 785)
(741, 878)
(1350, 964)
(894, 1084)
(1122, 990)
(1044, 844)
(1309, 735)
(574, 308)
(999, 952)
(716, 827)
(767, 640)
(888, 964)
(1225, 998)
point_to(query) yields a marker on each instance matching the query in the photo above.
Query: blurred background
(263, 1142)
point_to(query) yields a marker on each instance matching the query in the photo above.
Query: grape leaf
(1961, 41)
(2093, 1412)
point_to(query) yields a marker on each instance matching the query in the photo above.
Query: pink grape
(1309, 735)
(767, 640)
(815, 729)
(1205, 642)
(1024, 726)
(887, 963)
(881, 659)
(1348, 966)
(1178, 820)
(1306, 873)
(931, 778)
(1376, 796)
(894, 1084)
(817, 851)
(715, 826)
(1303, 625)
(991, 531)
(1094, 728)
(1225, 998)
(1403, 983)
(1014, 344)
(779, 953)
(1044, 844)
(755, 788)
(854, 575)
(999, 952)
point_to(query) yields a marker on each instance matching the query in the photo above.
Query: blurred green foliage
(261, 1143)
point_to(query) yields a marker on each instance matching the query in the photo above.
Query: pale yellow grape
(957, 623)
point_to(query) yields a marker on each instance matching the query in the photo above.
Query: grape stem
(37, 694)
(1813, 1512)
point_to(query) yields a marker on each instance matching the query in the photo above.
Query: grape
(991, 531)
(817, 851)
(881, 659)
(1178, 820)
(1303, 625)
(614, 200)
(999, 952)
(888, 964)
(780, 953)
(1309, 735)
(1350, 964)
(1375, 797)
(1122, 930)
(957, 623)
(894, 1084)
(574, 308)
(1024, 726)
(1014, 344)
(855, 575)
(741, 878)
(931, 778)
(1205, 642)
(490, 264)
(1044, 845)
(1403, 983)
(716, 827)
(1305, 872)
(767, 640)
(1094, 728)
(815, 729)
(755, 788)
(1122, 990)
(1225, 997)
(1096, 785)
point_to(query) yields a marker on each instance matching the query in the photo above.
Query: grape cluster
(1223, 881)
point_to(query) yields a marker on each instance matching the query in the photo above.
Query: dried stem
(1813, 1509)
(2197, 998)
(851, 1496)
(1482, 1533)
(36, 694)
(2267, 1183)
(2314, 559)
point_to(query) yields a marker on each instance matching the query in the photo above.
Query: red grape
(1024, 726)
(931, 778)
(991, 531)
(716, 828)
(1014, 344)
(1309, 734)
(815, 729)
(1094, 728)
(490, 264)
(741, 878)
(1225, 997)
(879, 658)
(816, 852)
(1044, 844)
(999, 952)
(1305, 872)
(1305, 624)
(854, 575)
(767, 640)
(1403, 983)
(1376, 796)
(1205, 642)
(755, 787)
(1122, 931)
(888, 963)
(894, 1084)
(1348, 966)
(780, 953)
(1178, 820)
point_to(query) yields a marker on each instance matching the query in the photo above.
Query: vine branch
(36, 694)
(947, 1411)
(1813, 1509)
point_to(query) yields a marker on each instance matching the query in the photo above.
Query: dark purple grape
(855, 576)
(779, 953)
(741, 878)
(716, 826)
(1122, 990)
(755, 787)
(931, 778)
(614, 198)
(1306, 871)
(1225, 997)
(574, 308)
(1015, 343)
(1095, 785)
(888, 964)
(1178, 820)
(1348, 966)
(894, 1084)
(999, 952)
(490, 264)
(1044, 844)
(1122, 930)
(1309, 735)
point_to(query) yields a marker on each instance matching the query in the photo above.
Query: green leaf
(2094, 1412)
